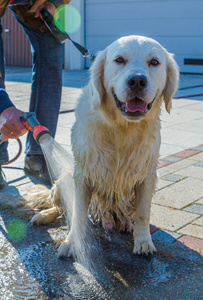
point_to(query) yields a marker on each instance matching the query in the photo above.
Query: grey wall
(176, 24)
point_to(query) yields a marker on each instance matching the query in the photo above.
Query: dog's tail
(39, 197)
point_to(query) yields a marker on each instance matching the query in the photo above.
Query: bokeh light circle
(67, 19)
(16, 229)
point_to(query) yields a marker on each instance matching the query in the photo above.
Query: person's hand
(49, 6)
(10, 124)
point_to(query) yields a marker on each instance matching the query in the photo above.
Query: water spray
(31, 123)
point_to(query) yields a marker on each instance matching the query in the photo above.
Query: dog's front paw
(143, 245)
(66, 249)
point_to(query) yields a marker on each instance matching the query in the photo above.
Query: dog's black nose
(138, 82)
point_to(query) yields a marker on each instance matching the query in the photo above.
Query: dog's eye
(154, 62)
(120, 60)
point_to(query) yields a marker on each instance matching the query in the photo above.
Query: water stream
(60, 164)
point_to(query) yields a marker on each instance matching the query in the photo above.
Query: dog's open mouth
(135, 107)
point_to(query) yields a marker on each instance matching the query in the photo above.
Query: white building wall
(73, 58)
(176, 24)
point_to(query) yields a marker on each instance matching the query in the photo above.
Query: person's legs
(3, 158)
(48, 56)
(47, 59)
(3, 152)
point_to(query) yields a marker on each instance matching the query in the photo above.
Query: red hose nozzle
(31, 123)
(39, 132)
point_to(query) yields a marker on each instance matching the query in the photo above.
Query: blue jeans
(47, 64)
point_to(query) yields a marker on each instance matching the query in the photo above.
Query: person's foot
(2, 182)
(35, 165)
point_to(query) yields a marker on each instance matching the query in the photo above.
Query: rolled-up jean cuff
(32, 147)
(3, 153)
(33, 152)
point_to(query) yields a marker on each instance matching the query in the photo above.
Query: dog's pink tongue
(136, 105)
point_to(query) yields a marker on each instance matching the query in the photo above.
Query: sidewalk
(177, 208)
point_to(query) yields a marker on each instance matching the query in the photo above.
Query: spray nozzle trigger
(29, 120)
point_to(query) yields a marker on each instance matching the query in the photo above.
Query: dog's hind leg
(40, 197)
(46, 216)
(144, 192)
(76, 236)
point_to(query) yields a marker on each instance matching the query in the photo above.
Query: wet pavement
(30, 268)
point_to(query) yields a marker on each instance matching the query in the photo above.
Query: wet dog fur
(116, 141)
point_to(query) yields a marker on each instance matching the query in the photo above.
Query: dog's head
(132, 73)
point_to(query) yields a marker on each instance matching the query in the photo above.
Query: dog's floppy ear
(96, 79)
(171, 81)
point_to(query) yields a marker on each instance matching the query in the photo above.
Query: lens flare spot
(67, 19)
(16, 229)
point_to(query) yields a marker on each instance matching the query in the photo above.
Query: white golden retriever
(116, 140)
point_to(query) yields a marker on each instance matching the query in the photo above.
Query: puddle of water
(15, 281)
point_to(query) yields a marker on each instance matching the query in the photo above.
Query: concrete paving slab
(190, 242)
(163, 183)
(199, 222)
(200, 201)
(197, 157)
(191, 171)
(186, 153)
(177, 166)
(181, 138)
(179, 115)
(199, 164)
(196, 106)
(163, 163)
(9, 201)
(170, 219)
(195, 208)
(66, 120)
(192, 230)
(184, 103)
(69, 96)
(15, 176)
(180, 194)
(191, 126)
(166, 236)
(173, 177)
(22, 190)
(60, 137)
(198, 148)
(172, 158)
(168, 149)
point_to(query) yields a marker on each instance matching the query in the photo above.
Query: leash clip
(89, 55)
